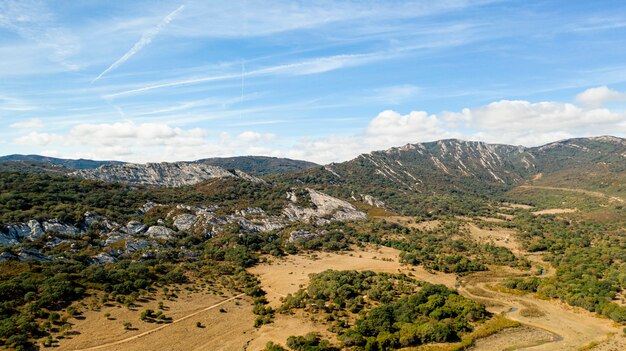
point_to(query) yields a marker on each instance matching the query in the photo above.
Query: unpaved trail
(580, 191)
(573, 327)
(151, 331)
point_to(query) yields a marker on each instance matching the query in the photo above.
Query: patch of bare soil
(574, 326)
(508, 205)
(225, 323)
(514, 339)
(551, 211)
(286, 275)
(410, 222)
(615, 342)
(496, 236)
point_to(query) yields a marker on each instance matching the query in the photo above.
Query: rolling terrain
(496, 247)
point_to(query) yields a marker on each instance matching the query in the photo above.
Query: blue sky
(319, 80)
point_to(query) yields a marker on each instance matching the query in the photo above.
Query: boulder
(54, 226)
(184, 221)
(134, 228)
(160, 232)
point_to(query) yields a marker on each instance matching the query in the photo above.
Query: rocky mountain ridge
(161, 174)
(451, 162)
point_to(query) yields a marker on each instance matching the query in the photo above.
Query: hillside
(516, 231)
(422, 177)
(259, 165)
(68, 163)
(161, 174)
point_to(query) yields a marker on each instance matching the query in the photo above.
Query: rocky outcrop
(104, 257)
(185, 221)
(134, 228)
(27, 254)
(161, 174)
(160, 232)
(301, 235)
(138, 244)
(325, 207)
(54, 226)
(14, 234)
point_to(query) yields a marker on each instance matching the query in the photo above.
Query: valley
(198, 257)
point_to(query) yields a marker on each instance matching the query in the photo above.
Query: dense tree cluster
(393, 310)
(589, 258)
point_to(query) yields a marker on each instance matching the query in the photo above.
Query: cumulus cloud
(146, 142)
(33, 123)
(507, 121)
(37, 139)
(599, 96)
(515, 122)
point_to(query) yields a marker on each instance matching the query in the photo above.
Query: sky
(324, 81)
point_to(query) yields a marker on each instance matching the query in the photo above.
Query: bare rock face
(161, 174)
(103, 257)
(26, 254)
(301, 235)
(138, 244)
(372, 201)
(14, 234)
(326, 206)
(160, 232)
(134, 228)
(185, 221)
(264, 225)
(54, 226)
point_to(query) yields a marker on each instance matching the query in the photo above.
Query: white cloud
(305, 67)
(542, 116)
(598, 96)
(507, 121)
(37, 139)
(12, 104)
(33, 123)
(146, 142)
(255, 137)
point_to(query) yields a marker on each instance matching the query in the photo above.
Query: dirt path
(134, 337)
(581, 191)
(573, 327)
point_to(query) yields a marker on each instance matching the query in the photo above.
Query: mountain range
(452, 167)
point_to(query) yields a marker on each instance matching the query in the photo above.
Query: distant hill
(69, 163)
(167, 174)
(33, 167)
(259, 165)
(254, 165)
(430, 175)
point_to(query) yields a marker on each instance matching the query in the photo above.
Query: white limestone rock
(54, 226)
(326, 206)
(185, 221)
(103, 257)
(160, 232)
(161, 174)
(133, 245)
(134, 228)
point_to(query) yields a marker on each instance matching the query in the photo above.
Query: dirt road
(134, 337)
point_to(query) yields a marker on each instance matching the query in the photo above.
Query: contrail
(146, 38)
